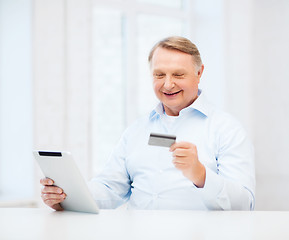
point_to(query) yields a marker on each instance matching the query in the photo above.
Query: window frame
(131, 9)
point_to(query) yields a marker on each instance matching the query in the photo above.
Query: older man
(210, 167)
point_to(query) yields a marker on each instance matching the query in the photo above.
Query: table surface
(41, 224)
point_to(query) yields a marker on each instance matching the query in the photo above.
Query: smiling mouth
(172, 94)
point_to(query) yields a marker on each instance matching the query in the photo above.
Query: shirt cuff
(214, 185)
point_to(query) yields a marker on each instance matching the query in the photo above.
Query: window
(107, 82)
(16, 162)
(90, 74)
(176, 4)
(121, 79)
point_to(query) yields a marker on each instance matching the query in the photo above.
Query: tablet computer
(61, 168)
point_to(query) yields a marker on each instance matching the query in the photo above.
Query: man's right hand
(51, 195)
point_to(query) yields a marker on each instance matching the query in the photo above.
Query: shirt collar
(158, 111)
(200, 104)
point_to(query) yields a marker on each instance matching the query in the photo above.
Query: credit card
(162, 140)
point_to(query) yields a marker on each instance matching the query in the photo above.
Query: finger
(46, 181)
(52, 189)
(53, 202)
(181, 160)
(179, 165)
(57, 207)
(172, 147)
(53, 197)
(180, 152)
(181, 145)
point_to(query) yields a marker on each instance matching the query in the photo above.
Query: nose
(169, 83)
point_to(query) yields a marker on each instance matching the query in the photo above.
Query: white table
(41, 224)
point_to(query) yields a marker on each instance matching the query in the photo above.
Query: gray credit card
(162, 140)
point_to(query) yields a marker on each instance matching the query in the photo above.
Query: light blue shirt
(145, 177)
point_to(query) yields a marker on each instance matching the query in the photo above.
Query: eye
(179, 75)
(159, 75)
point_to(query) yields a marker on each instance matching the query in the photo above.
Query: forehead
(167, 58)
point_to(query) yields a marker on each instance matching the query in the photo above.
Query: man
(211, 165)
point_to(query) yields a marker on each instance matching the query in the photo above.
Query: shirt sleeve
(232, 186)
(111, 188)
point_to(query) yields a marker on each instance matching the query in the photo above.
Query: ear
(200, 72)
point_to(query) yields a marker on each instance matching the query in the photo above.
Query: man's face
(175, 80)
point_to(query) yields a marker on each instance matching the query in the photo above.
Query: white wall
(257, 82)
(271, 102)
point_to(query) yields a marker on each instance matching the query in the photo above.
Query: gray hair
(180, 44)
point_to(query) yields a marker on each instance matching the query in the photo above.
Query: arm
(111, 188)
(232, 186)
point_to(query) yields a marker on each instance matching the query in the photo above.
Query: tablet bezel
(61, 168)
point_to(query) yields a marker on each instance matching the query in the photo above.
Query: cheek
(156, 86)
(191, 91)
(191, 86)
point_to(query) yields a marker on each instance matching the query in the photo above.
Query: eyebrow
(182, 70)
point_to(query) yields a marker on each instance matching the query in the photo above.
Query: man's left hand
(185, 158)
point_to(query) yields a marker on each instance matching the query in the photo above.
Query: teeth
(172, 93)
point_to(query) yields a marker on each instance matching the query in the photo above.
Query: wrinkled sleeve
(111, 188)
(232, 187)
